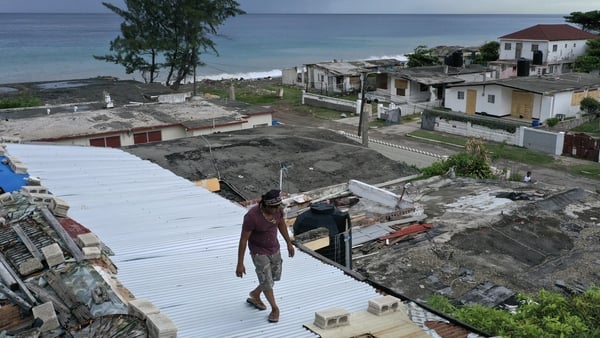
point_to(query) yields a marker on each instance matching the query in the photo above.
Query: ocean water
(48, 47)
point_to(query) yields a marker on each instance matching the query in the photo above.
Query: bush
(20, 102)
(551, 122)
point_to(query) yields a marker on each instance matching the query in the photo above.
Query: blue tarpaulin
(9, 180)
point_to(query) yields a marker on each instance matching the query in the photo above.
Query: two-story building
(539, 50)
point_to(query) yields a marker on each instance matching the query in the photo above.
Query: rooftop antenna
(283, 168)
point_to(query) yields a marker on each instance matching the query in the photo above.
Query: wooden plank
(22, 303)
(62, 311)
(28, 243)
(79, 310)
(15, 276)
(62, 233)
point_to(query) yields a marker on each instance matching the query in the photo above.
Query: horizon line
(307, 13)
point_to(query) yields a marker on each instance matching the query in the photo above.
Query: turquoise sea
(44, 47)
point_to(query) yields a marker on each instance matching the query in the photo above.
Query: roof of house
(550, 32)
(354, 68)
(175, 244)
(545, 85)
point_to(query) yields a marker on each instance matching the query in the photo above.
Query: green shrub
(22, 101)
(551, 122)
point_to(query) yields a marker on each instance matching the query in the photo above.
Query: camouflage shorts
(268, 269)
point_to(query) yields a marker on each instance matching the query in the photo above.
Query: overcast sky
(336, 6)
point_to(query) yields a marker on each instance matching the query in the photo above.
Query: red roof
(550, 33)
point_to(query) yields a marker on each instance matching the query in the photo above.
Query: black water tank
(523, 67)
(538, 57)
(454, 59)
(457, 58)
(324, 215)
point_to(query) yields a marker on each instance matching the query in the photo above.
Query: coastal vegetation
(544, 314)
(588, 21)
(167, 35)
(21, 101)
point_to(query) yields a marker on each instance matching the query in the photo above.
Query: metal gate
(582, 146)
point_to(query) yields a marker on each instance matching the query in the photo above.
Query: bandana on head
(272, 198)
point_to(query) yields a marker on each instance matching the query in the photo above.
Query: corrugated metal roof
(175, 244)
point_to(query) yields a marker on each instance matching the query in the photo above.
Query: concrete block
(30, 266)
(88, 240)
(53, 254)
(59, 207)
(331, 318)
(91, 252)
(383, 305)
(7, 199)
(40, 199)
(160, 326)
(141, 308)
(373, 193)
(32, 189)
(46, 314)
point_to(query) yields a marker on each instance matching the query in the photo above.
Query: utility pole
(363, 122)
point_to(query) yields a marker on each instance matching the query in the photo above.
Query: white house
(345, 76)
(540, 49)
(423, 84)
(534, 98)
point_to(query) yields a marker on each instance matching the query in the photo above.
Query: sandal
(257, 303)
(273, 318)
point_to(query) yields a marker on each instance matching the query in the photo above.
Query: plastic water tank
(523, 67)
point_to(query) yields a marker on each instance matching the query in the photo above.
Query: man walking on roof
(259, 233)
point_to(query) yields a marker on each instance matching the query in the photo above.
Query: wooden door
(521, 105)
(471, 101)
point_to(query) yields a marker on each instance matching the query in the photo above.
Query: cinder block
(7, 199)
(53, 254)
(160, 326)
(141, 308)
(383, 305)
(88, 240)
(30, 189)
(91, 252)
(59, 207)
(40, 199)
(331, 318)
(46, 314)
(29, 266)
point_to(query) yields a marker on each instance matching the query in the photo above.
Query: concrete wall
(544, 141)
(468, 129)
(329, 102)
(174, 98)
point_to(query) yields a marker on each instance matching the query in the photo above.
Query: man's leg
(274, 315)
(255, 294)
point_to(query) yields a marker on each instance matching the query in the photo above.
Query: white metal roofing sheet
(175, 244)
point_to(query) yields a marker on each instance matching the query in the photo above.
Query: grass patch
(592, 128)
(587, 170)
(23, 101)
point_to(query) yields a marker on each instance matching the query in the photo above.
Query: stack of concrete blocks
(383, 305)
(331, 318)
(159, 325)
(16, 165)
(53, 255)
(47, 315)
(90, 245)
(59, 207)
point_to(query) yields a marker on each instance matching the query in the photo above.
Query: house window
(554, 48)
(424, 88)
(574, 44)
(534, 47)
(461, 95)
(491, 98)
(507, 46)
